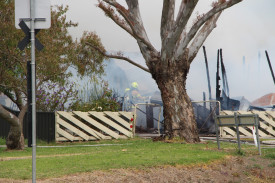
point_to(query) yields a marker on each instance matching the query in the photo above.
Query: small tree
(169, 66)
(52, 63)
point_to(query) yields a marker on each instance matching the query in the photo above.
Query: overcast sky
(244, 32)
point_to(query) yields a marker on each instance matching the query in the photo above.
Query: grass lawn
(133, 153)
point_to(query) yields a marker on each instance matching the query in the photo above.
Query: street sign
(27, 39)
(42, 13)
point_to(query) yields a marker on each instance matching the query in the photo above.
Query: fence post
(237, 130)
(217, 132)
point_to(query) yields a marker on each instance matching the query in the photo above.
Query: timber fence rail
(266, 125)
(80, 126)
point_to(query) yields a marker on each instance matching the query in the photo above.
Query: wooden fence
(266, 125)
(78, 126)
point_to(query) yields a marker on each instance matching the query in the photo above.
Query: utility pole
(37, 13)
(33, 90)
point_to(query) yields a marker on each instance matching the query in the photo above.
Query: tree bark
(178, 110)
(15, 139)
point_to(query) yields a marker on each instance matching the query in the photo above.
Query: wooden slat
(100, 135)
(59, 139)
(73, 129)
(265, 118)
(78, 123)
(101, 116)
(261, 134)
(127, 115)
(267, 128)
(245, 132)
(65, 134)
(271, 113)
(241, 129)
(228, 130)
(114, 116)
(84, 115)
(262, 116)
(56, 125)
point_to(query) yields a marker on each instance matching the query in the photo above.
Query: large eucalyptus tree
(170, 65)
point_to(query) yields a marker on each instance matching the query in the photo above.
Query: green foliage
(60, 53)
(98, 98)
(53, 97)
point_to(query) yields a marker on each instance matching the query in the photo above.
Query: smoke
(120, 74)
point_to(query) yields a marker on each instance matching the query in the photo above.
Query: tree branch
(119, 57)
(167, 18)
(202, 35)
(194, 29)
(8, 116)
(123, 24)
(185, 11)
(132, 23)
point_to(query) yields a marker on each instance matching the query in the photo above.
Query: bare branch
(170, 44)
(119, 57)
(110, 13)
(194, 29)
(185, 11)
(132, 23)
(202, 35)
(167, 18)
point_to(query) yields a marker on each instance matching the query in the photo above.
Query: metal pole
(237, 130)
(32, 13)
(257, 134)
(217, 131)
(269, 63)
(207, 73)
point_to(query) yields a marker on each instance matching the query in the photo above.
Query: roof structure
(266, 100)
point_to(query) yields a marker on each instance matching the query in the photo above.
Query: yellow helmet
(134, 85)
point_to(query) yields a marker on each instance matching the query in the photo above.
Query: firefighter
(134, 93)
(132, 96)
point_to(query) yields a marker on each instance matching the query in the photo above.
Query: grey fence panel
(45, 127)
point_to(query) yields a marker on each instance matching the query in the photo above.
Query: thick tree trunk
(178, 111)
(15, 139)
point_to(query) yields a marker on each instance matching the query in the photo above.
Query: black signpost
(27, 39)
(22, 45)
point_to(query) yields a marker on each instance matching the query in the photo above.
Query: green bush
(99, 98)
